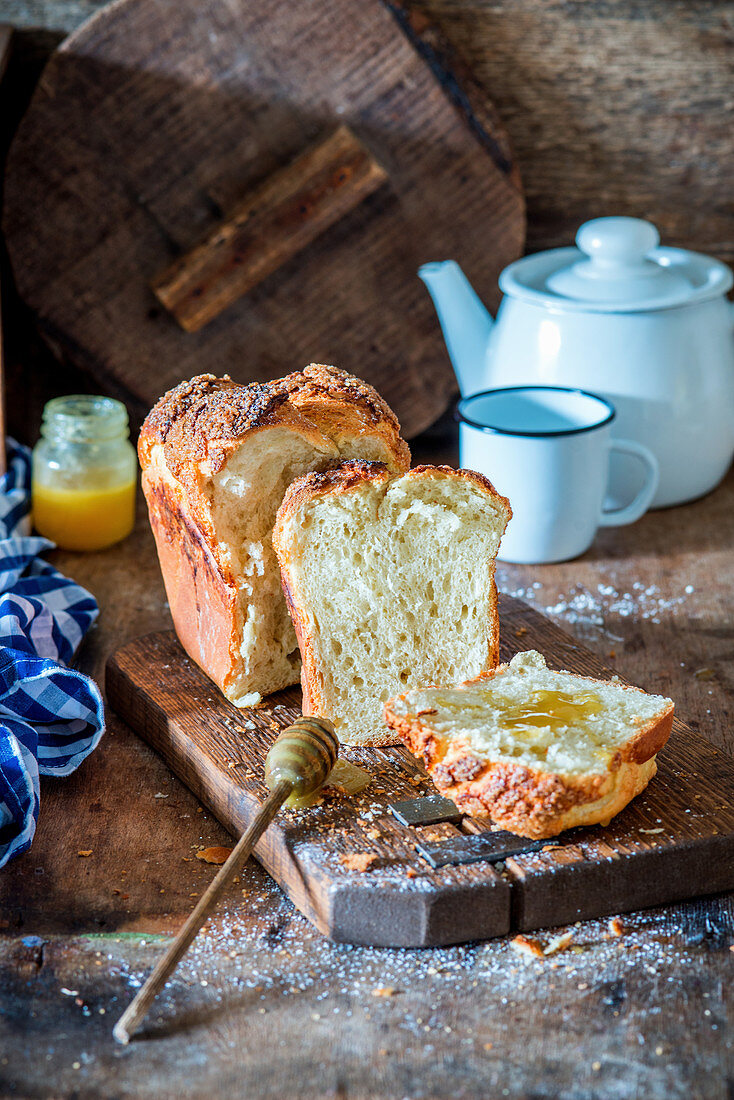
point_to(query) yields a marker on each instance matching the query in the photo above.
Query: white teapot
(647, 327)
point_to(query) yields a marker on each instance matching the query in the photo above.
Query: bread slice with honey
(538, 751)
(390, 583)
(217, 458)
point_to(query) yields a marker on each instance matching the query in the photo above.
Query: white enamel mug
(547, 448)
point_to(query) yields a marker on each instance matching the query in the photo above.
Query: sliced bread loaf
(217, 458)
(390, 583)
(537, 751)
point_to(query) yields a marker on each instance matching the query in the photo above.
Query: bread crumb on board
(529, 945)
(216, 854)
(358, 861)
(616, 927)
(85, 852)
(524, 945)
(384, 991)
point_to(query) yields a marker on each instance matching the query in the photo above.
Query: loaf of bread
(390, 583)
(537, 751)
(217, 458)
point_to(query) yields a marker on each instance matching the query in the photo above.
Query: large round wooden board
(152, 121)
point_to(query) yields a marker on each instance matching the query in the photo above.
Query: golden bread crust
(203, 420)
(528, 801)
(336, 481)
(188, 437)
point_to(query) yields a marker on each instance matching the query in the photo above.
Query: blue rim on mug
(464, 419)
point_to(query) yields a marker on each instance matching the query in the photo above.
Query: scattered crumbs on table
(301, 964)
(705, 674)
(591, 609)
(216, 854)
(84, 852)
(527, 945)
(358, 861)
(533, 947)
(160, 794)
(650, 832)
(616, 927)
(558, 943)
(384, 991)
(69, 992)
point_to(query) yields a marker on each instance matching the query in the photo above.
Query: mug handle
(629, 513)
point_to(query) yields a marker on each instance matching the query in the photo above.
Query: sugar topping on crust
(203, 418)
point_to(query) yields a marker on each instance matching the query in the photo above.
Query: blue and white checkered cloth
(51, 717)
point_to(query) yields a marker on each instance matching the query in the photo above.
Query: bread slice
(577, 760)
(390, 583)
(217, 458)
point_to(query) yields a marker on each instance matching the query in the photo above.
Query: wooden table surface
(263, 1006)
(619, 108)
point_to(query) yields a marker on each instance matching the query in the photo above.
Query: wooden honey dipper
(299, 762)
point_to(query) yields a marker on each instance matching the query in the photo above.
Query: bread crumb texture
(217, 458)
(390, 581)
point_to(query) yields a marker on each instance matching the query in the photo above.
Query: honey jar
(84, 473)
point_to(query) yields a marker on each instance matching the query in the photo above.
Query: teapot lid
(618, 267)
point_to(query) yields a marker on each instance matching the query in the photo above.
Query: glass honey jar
(84, 473)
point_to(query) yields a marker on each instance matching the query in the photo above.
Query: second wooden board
(675, 841)
(179, 132)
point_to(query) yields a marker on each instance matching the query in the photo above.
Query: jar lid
(618, 267)
(84, 418)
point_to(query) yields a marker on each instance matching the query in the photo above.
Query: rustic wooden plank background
(177, 132)
(613, 106)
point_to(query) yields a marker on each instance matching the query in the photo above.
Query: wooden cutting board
(174, 203)
(674, 841)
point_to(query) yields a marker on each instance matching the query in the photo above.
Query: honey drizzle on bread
(580, 773)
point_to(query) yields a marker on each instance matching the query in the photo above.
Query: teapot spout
(465, 321)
